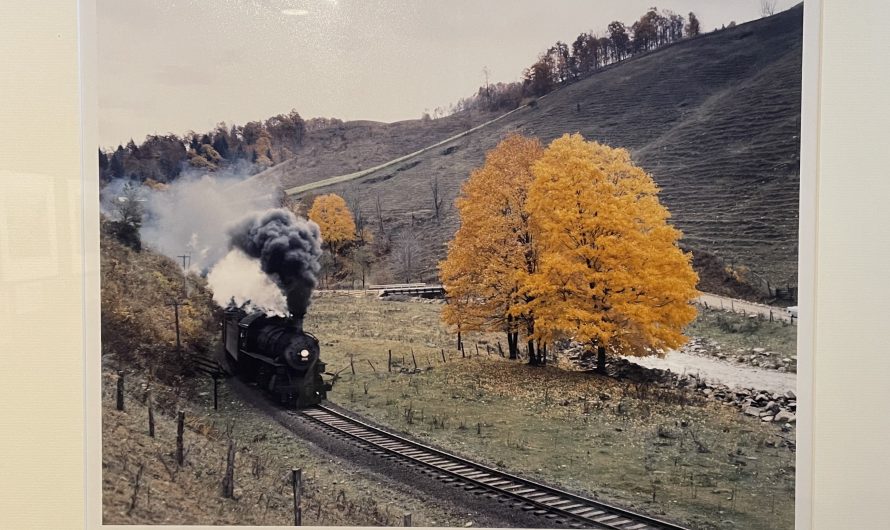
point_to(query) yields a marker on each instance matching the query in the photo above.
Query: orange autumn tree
(610, 273)
(492, 245)
(334, 219)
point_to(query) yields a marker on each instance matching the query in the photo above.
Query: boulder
(752, 411)
(785, 417)
(790, 395)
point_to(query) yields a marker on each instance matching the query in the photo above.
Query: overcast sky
(176, 65)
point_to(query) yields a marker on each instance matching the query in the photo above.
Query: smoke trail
(288, 249)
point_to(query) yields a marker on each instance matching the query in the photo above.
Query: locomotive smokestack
(288, 249)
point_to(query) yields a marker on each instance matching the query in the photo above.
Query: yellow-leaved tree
(334, 219)
(610, 273)
(492, 246)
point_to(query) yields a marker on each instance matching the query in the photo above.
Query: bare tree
(486, 74)
(328, 264)
(405, 256)
(362, 259)
(354, 200)
(379, 211)
(767, 7)
(438, 199)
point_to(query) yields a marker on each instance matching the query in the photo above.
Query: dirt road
(714, 301)
(730, 374)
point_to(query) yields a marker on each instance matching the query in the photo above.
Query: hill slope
(715, 119)
(357, 145)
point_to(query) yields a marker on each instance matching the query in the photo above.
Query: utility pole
(176, 304)
(185, 268)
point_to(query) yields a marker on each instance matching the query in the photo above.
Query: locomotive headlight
(304, 354)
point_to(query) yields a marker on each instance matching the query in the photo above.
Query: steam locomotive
(277, 354)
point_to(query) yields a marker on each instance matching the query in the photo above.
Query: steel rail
(547, 501)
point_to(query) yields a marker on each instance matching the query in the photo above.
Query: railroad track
(559, 507)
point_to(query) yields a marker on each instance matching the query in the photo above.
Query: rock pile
(767, 406)
(759, 357)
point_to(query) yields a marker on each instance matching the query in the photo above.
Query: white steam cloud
(239, 277)
(193, 216)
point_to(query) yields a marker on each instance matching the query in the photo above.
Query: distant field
(662, 452)
(715, 119)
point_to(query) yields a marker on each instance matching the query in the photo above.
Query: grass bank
(335, 493)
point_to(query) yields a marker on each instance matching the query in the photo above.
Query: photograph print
(514, 264)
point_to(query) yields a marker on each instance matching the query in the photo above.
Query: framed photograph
(449, 264)
(441, 264)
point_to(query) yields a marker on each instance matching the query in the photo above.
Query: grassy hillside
(138, 324)
(715, 119)
(357, 145)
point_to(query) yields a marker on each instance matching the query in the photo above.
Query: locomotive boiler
(277, 354)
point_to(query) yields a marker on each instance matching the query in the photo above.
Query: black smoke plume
(288, 249)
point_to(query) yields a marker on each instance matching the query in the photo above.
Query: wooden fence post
(372, 365)
(297, 483)
(443, 356)
(120, 390)
(463, 354)
(351, 365)
(180, 428)
(477, 349)
(389, 362)
(406, 519)
(229, 478)
(413, 358)
(151, 419)
(215, 393)
(500, 349)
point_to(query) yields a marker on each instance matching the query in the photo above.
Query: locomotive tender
(277, 354)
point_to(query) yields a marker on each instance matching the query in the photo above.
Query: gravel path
(715, 301)
(732, 375)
